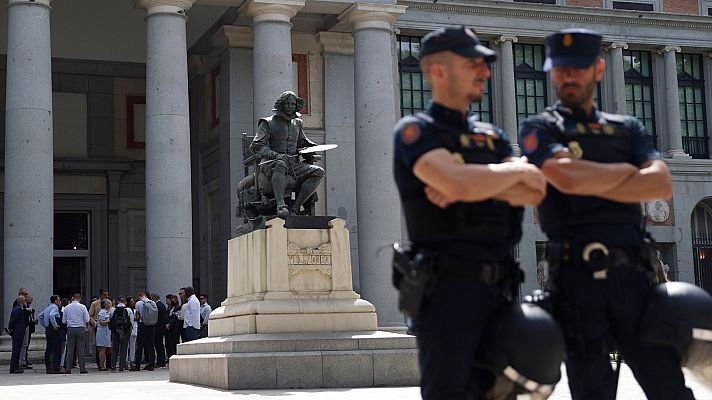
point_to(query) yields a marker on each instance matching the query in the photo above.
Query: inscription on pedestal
(309, 268)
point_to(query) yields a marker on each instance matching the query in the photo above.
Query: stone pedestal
(292, 319)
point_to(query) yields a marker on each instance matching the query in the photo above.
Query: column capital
(233, 36)
(164, 6)
(45, 3)
(666, 49)
(619, 45)
(371, 15)
(271, 10)
(336, 42)
(506, 38)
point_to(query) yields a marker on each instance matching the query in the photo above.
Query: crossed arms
(519, 183)
(621, 182)
(448, 181)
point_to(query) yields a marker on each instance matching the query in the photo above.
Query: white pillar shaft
(168, 192)
(272, 58)
(378, 206)
(29, 185)
(618, 81)
(672, 98)
(509, 94)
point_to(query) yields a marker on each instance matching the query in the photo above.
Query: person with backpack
(51, 321)
(120, 325)
(147, 316)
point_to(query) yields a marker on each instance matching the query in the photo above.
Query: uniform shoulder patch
(530, 142)
(410, 133)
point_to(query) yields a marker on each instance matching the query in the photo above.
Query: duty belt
(596, 257)
(489, 273)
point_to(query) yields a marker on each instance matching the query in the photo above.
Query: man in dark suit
(18, 324)
(160, 330)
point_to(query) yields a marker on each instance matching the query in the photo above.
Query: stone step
(295, 342)
(299, 360)
(36, 350)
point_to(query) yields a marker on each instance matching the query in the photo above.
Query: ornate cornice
(336, 42)
(619, 45)
(371, 15)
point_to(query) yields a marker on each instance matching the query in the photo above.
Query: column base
(677, 154)
(305, 361)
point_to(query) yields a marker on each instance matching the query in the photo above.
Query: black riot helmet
(524, 348)
(679, 315)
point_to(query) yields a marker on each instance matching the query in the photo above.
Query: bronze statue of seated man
(278, 141)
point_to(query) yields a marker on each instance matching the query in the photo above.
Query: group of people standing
(124, 331)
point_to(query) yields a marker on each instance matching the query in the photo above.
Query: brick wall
(585, 3)
(681, 6)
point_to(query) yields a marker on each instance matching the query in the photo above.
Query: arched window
(702, 245)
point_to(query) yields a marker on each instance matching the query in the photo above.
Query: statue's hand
(283, 157)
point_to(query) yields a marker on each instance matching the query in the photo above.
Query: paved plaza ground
(35, 384)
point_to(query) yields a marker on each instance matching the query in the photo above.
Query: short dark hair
(102, 291)
(76, 296)
(204, 295)
(189, 291)
(53, 298)
(122, 299)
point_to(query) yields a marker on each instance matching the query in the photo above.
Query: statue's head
(289, 103)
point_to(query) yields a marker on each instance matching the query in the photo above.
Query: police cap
(575, 48)
(462, 41)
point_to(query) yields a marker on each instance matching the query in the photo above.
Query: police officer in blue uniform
(599, 167)
(462, 193)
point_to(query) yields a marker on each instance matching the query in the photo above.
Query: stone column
(272, 50)
(509, 93)
(29, 171)
(236, 117)
(168, 195)
(377, 199)
(340, 164)
(236, 111)
(672, 99)
(618, 105)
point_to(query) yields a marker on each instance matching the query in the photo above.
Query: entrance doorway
(71, 254)
(69, 276)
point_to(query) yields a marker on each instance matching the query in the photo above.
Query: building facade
(123, 125)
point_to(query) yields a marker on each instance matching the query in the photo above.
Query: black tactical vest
(607, 140)
(484, 222)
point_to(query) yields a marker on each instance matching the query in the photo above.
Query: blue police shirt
(599, 137)
(415, 136)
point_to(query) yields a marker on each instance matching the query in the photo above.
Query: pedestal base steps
(298, 360)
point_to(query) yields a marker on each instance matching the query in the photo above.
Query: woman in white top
(134, 332)
(103, 334)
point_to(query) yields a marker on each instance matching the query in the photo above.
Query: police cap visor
(461, 41)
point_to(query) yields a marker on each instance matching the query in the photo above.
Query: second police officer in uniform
(599, 167)
(470, 220)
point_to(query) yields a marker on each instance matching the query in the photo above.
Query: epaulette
(488, 129)
(616, 118)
